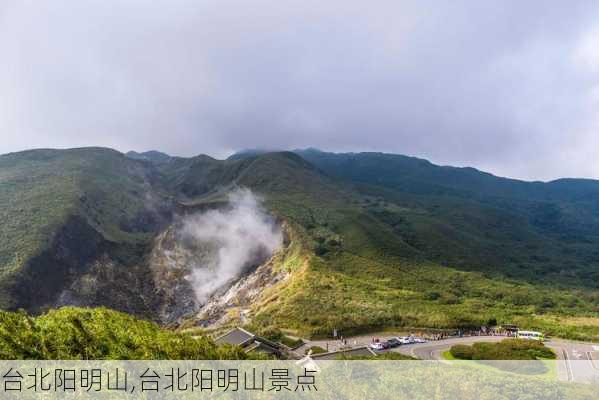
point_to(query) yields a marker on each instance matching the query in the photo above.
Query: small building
(355, 352)
(236, 337)
(249, 342)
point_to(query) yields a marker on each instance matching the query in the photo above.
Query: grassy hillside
(472, 220)
(60, 210)
(101, 334)
(354, 271)
(365, 278)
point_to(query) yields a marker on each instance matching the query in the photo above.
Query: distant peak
(308, 150)
(251, 153)
(151, 156)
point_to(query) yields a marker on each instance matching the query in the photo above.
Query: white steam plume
(237, 237)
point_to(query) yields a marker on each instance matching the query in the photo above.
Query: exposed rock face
(73, 251)
(234, 302)
(90, 270)
(150, 279)
(127, 288)
(171, 262)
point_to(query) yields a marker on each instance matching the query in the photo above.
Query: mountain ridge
(374, 240)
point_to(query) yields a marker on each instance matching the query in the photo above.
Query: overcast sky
(511, 87)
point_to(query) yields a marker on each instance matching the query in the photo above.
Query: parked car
(406, 340)
(379, 346)
(419, 340)
(393, 342)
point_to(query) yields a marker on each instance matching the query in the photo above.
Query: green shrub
(71, 333)
(271, 333)
(462, 352)
(316, 350)
(432, 296)
(507, 349)
(291, 342)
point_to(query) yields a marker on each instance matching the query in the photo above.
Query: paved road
(426, 351)
(578, 361)
(433, 350)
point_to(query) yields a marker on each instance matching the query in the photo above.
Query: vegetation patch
(291, 342)
(100, 334)
(507, 349)
(315, 350)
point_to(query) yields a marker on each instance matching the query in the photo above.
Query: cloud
(234, 239)
(507, 86)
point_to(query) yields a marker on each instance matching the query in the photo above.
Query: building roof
(261, 347)
(356, 352)
(248, 340)
(236, 336)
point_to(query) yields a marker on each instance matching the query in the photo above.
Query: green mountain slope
(372, 243)
(355, 271)
(63, 210)
(475, 221)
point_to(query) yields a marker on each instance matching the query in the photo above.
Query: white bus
(532, 335)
